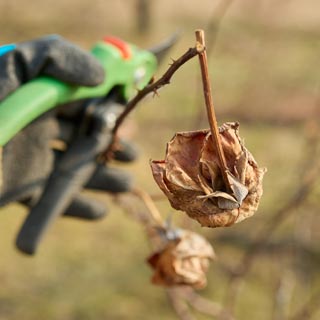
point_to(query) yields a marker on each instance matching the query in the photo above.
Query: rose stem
(210, 108)
(148, 202)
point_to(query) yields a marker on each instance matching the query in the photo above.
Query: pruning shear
(128, 69)
(126, 66)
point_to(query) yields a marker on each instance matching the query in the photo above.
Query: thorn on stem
(155, 93)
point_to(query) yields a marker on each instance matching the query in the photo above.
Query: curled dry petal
(184, 260)
(190, 176)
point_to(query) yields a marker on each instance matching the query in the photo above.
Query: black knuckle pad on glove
(126, 152)
(110, 180)
(52, 56)
(84, 207)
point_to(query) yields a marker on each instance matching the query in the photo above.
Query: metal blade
(164, 47)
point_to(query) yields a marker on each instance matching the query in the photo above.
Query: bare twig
(152, 87)
(143, 13)
(212, 31)
(283, 295)
(179, 305)
(308, 181)
(307, 311)
(310, 174)
(158, 197)
(247, 261)
(288, 120)
(140, 205)
(210, 108)
(279, 247)
(310, 171)
(214, 25)
(148, 202)
(205, 306)
(180, 296)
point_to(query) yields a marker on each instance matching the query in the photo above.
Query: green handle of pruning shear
(44, 93)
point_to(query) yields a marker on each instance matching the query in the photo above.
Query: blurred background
(263, 59)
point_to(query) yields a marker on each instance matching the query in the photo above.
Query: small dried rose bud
(184, 260)
(190, 176)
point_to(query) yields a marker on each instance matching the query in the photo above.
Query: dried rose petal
(190, 177)
(183, 261)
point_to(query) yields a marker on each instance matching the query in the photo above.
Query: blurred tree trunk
(143, 12)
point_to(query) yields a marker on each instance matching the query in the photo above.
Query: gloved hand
(52, 56)
(28, 158)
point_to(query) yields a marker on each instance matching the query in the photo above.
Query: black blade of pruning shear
(164, 47)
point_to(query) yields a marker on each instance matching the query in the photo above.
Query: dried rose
(184, 260)
(190, 176)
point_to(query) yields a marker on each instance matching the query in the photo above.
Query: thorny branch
(152, 87)
(181, 300)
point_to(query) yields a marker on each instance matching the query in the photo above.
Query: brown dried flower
(190, 176)
(184, 260)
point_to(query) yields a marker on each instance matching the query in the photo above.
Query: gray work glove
(28, 159)
(51, 56)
